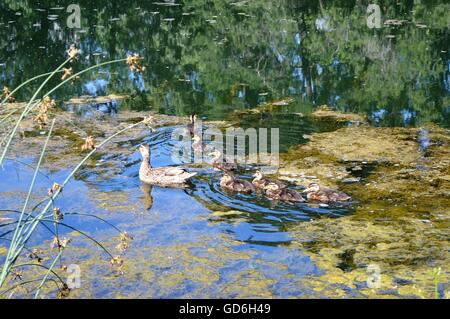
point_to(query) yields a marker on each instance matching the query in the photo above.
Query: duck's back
(165, 176)
(329, 195)
(291, 195)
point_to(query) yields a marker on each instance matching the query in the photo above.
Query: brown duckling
(191, 125)
(230, 183)
(221, 163)
(198, 146)
(322, 194)
(261, 182)
(273, 191)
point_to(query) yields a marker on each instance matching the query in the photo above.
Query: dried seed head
(41, 119)
(46, 104)
(125, 236)
(35, 254)
(124, 241)
(133, 62)
(117, 262)
(148, 120)
(67, 72)
(73, 53)
(5, 93)
(60, 244)
(17, 275)
(122, 246)
(57, 214)
(89, 144)
(55, 188)
(64, 292)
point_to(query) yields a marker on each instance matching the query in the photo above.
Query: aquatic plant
(45, 213)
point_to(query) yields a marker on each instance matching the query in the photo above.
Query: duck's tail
(187, 175)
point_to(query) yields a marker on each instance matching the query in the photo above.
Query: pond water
(215, 58)
(212, 57)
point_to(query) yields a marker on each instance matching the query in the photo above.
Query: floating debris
(394, 22)
(167, 4)
(52, 17)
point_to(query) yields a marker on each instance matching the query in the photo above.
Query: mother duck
(162, 176)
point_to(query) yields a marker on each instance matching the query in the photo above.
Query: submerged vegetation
(362, 110)
(19, 232)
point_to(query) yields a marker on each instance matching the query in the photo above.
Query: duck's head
(144, 149)
(312, 188)
(258, 175)
(193, 117)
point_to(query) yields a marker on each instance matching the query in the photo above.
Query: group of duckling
(279, 191)
(272, 189)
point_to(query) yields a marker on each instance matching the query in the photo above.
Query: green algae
(401, 218)
(325, 113)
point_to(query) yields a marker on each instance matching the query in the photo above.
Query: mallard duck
(273, 191)
(191, 125)
(261, 182)
(221, 163)
(322, 194)
(162, 176)
(230, 183)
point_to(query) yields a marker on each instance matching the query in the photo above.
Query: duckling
(273, 191)
(230, 183)
(191, 126)
(291, 196)
(322, 194)
(221, 163)
(162, 176)
(261, 182)
(198, 146)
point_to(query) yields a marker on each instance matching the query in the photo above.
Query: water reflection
(215, 57)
